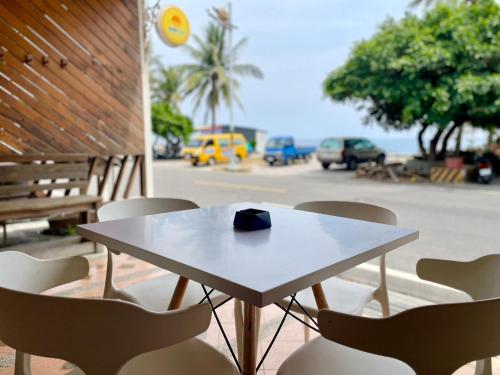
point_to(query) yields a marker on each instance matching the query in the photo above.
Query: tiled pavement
(129, 271)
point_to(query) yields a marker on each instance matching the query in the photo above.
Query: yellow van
(215, 148)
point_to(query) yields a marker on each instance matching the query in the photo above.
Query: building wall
(70, 77)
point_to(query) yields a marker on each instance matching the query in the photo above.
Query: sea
(409, 146)
(399, 146)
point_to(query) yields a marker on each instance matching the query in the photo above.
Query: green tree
(439, 71)
(208, 78)
(173, 126)
(166, 83)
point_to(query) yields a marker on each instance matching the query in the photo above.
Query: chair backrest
(98, 336)
(142, 206)
(479, 278)
(39, 175)
(22, 272)
(433, 340)
(351, 210)
(131, 208)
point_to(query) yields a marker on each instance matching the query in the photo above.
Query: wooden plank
(94, 104)
(43, 28)
(90, 105)
(115, 33)
(14, 140)
(45, 31)
(43, 115)
(109, 55)
(36, 204)
(70, 109)
(133, 172)
(27, 109)
(105, 178)
(121, 29)
(143, 181)
(127, 18)
(19, 132)
(119, 178)
(37, 9)
(16, 211)
(45, 157)
(9, 190)
(93, 164)
(29, 172)
(63, 115)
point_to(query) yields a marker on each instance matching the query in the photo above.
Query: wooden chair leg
(257, 327)
(249, 363)
(382, 296)
(320, 297)
(307, 335)
(178, 296)
(238, 322)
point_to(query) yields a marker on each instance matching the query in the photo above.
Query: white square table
(261, 267)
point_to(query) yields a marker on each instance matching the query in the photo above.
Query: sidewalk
(129, 270)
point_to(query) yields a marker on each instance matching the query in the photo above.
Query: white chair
(154, 294)
(480, 279)
(430, 340)
(345, 296)
(108, 337)
(27, 274)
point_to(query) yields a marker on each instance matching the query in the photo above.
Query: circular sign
(173, 26)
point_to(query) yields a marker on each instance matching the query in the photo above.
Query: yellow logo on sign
(173, 26)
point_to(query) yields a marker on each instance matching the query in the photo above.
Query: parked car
(283, 150)
(215, 148)
(349, 151)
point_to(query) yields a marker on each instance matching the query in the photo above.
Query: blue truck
(283, 150)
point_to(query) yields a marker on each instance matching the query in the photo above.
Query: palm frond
(248, 70)
(208, 79)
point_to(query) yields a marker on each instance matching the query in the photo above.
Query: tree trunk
(421, 145)
(213, 103)
(434, 143)
(459, 140)
(447, 136)
(214, 124)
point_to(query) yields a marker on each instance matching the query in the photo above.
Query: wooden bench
(45, 186)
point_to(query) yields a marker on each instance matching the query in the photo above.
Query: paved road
(455, 222)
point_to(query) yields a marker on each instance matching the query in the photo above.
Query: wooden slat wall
(92, 105)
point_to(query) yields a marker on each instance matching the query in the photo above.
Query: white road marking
(240, 186)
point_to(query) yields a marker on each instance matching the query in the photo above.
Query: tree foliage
(166, 96)
(166, 83)
(172, 125)
(439, 71)
(208, 79)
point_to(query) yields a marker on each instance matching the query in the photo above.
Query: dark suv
(349, 151)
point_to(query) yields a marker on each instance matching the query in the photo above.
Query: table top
(260, 267)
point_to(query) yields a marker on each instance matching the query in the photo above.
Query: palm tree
(166, 83)
(208, 79)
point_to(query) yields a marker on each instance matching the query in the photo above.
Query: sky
(296, 43)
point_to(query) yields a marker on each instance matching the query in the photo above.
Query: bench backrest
(40, 175)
